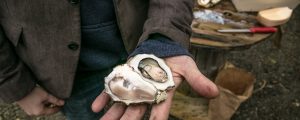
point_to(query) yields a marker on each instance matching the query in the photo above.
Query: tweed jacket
(40, 39)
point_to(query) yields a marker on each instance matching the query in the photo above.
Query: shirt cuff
(160, 46)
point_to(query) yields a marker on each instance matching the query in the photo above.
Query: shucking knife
(250, 30)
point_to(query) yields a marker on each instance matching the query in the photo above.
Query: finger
(134, 112)
(115, 112)
(49, 111)
(53, 100)
(100, 102)
(161, 110)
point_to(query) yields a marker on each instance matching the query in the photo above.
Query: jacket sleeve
(171, 18)
(160, 46)
(16, 80)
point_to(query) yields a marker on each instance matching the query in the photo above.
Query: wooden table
(209, 47)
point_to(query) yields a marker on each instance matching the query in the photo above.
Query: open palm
(183, 68)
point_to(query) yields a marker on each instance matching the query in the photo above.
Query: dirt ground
(279, 68)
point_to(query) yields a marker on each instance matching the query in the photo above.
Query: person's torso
(47, 36)
(101, 42)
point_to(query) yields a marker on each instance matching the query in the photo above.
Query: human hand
(182, 67)
(39, 102)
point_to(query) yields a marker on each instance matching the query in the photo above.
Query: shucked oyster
(144, 79)
(150, 69)
(158, 65)
(207, 3)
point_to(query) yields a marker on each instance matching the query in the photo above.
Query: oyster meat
(144, 79)
(150, 69)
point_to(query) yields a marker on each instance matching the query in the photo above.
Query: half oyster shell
(207, 3)
(144, 79)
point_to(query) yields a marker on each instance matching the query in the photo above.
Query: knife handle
(263, 30)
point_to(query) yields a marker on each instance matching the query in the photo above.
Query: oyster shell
(207, 3)
(144, 79)
(215, 1)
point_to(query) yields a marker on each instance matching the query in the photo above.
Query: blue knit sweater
(102, 46)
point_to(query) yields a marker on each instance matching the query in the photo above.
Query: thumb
(187, 68)
(199, 82)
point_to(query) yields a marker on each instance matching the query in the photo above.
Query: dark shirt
(102, 45)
